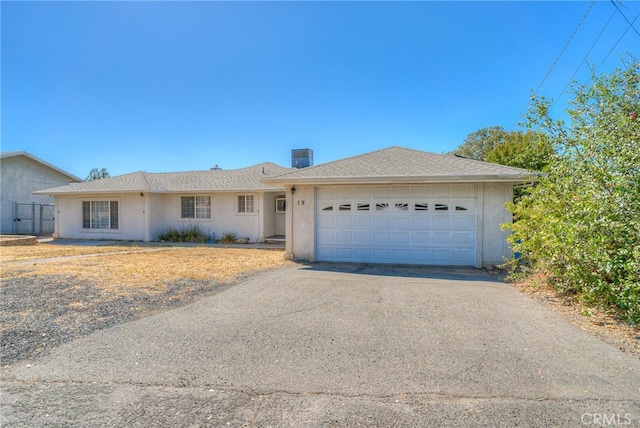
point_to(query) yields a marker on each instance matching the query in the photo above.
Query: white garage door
(396, 224)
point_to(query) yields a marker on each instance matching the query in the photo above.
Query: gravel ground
(38, 313)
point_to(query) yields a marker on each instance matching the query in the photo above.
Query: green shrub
(228, 238)
(580, 225)
(191, 233)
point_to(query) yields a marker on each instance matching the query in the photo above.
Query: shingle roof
(398, 164)
(245, 179)
(7, 155)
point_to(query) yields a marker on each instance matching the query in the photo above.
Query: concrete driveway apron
(335, 345)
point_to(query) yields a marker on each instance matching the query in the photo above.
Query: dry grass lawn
(140, 268)
(10, 254)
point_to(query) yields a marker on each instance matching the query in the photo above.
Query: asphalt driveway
(335, 345)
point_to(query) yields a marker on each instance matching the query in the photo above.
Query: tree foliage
(580, 225)
(97, 174)
(529, 150)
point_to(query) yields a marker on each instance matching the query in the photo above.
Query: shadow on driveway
(415, 271)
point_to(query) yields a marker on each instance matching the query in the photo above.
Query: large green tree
(97, 174)
(580, 225)
(529, 150)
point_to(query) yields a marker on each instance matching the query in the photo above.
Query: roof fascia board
(174, 192)
(404, 180)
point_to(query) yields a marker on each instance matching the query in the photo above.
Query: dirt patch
(592, 319)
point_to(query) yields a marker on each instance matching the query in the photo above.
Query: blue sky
(174, 86)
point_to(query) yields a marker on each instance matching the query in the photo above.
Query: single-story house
(142, 205)
(394, 205)
(21, 174)
(400, 205)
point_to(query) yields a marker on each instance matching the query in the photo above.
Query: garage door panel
(363, 237)
(364, 254)
(397, 224)
(420, 223)
(383, 238)
(420, 238)
(462, 238)
(465, 191)
(384, 191)
(401, 255)
(344, 236)
(420, 191)
(441, 191)
(382, 254)
(344, 222)
(401, 192)
(345, 254)
(363, 192)
(382, 222)
(460, 257)
(326, 193)
(400, 238)
(441, 222)
(363, 222)
(326, 237)
(463, 223)
(441, 238)
(326, 222)
(401, 222)
(344, 192)
(441, 256)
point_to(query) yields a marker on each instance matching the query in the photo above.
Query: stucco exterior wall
(19, 177)
(301, 209)
(494, 245)
(131, 217)
(224, 216)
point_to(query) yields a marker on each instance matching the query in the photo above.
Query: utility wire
(621, 37)
(582, 62)
(557, 59)
(565, 46)
(626, 19)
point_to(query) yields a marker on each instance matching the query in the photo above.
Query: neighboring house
(21, 174)
(399, 205)
(141, 205)
(395, 205)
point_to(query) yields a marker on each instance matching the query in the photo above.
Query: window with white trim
(99, 214)
(196, 207)
(245, 204)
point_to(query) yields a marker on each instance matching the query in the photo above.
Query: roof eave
(405, 179)
(181, 191)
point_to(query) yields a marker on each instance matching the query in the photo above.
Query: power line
(626, 19)
(557, 59)
(565, 46)
(621, 37)
(582, 62)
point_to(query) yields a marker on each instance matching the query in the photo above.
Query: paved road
(330, 345)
